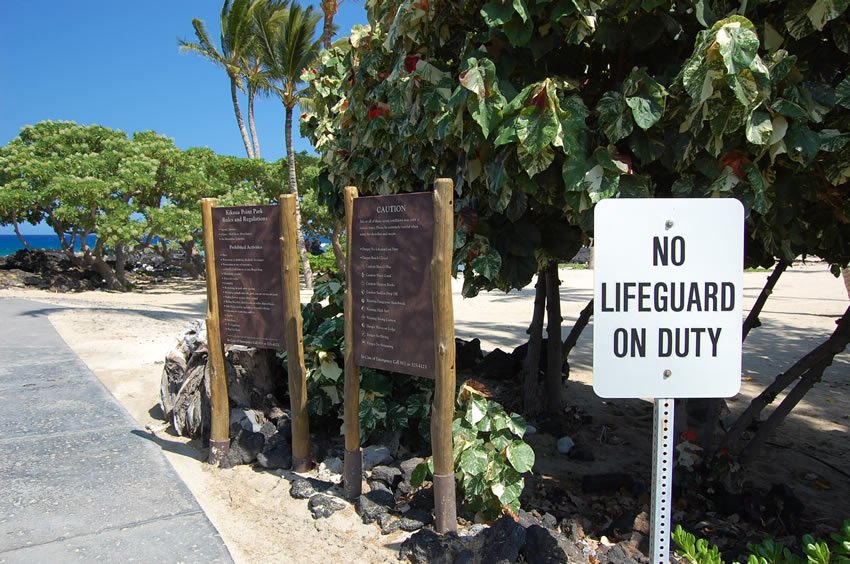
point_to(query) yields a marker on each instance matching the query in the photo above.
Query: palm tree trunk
(845, 272)
(239, 120)
(251, 93)
(329, 8)
(293, 189)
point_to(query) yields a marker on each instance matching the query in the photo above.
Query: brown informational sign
(392, 246)
(247, 260)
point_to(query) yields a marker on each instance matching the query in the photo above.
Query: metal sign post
(662, 481)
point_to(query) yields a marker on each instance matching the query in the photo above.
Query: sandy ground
(123, 338)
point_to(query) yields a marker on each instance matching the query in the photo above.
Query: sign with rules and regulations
(248, 270)
(667, 298)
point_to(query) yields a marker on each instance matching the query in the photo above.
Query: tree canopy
(133, 192)
(538, 109)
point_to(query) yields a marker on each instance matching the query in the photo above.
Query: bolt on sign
(392, 248)
(667, 298)
(247, 269)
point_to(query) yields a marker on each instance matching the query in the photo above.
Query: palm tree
(236, 38)
(329, 9)
(289, 48)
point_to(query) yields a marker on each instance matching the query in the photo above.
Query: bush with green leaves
(388, 401)
(490, 456)
(323, 263)
(700, 551)
(539, 109)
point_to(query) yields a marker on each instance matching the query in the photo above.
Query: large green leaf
(331, 370)
(473, 461)
(645, 97)
(497, 13)
(537, 127)
(760, 202)
(535, 162)
(759, 128)
(738, 45)
(509, 489)
(521, 9)
(832, 140)
(473, 78)
(519, 32)
(824, 11)
(419, 474)
(476, 411)
(802, 143)
(614, 119)
(488, 264)
(521, 456)
(842, 93)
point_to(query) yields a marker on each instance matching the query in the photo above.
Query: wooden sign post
(253, 300)
(352, 473)
(398, 316)
(442, 410)
(220, 403)
(293, 334)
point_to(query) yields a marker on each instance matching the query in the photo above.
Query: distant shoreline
(10, 244)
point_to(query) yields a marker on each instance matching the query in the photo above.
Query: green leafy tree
(83, 181)
(289, 48)
(132, 193)
(539, 110)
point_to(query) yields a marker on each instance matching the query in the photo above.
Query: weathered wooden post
(442, 411)
(220, 403)
(293, 336)
(353, 464)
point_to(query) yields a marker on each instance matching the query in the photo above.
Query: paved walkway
(78, 479)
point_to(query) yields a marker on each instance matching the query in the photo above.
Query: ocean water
(10, 243)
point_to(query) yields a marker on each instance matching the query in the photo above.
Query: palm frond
(204, 46)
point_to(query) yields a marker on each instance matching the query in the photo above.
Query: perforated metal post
(662, 482)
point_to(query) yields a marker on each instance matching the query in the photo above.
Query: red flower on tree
(410, 62)
(736, 161)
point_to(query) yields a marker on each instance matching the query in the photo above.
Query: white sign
(668, 279)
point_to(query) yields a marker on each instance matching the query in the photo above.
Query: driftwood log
(255, 380)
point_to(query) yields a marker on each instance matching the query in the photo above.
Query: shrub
(388, 401)
(815, 551)
(490, 456)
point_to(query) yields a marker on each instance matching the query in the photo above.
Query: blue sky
(116, 63)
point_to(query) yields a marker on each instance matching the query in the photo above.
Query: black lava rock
(498, 365)
(504, 541)
(244, 448)
(427, 547)
(541, 547)
(389, 475)
(322, 506)
(303, 488)
(277, 454)
(467, 353)
(372, 505)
